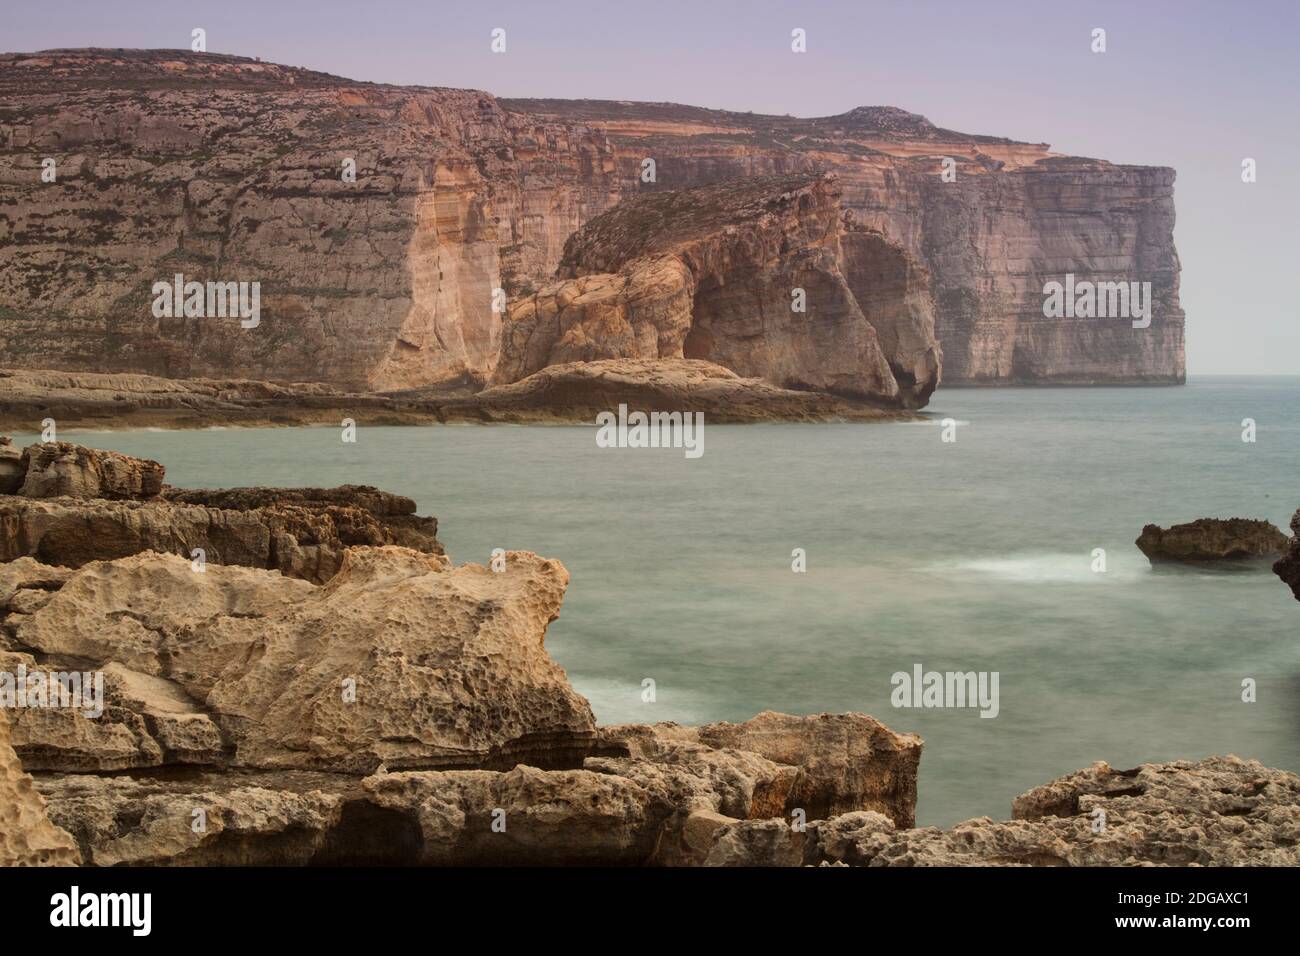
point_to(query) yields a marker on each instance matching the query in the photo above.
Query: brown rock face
(233, 172)
(12, 468)
(1288, 566)
(62, 469)
(1213, 539)
(759, 276)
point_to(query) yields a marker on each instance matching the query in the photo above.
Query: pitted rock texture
(399, 659)
(1213, 539)
(27, 837)
(222, 168)
(761, 276)
(1287, 567)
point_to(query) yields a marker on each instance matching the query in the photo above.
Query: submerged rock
(1213, 539)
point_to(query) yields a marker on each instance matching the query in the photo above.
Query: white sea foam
(1046, 568)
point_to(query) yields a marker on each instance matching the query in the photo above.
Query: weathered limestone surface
(27, 837)
(222, 168)
(61, 469)
(1213, 539)
(230, 735)
(447, 663)
(289, 819)
(844, 762)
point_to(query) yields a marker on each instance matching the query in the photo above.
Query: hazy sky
(1193, 85)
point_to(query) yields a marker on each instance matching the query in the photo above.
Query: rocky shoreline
(568, 394)
(324, 686)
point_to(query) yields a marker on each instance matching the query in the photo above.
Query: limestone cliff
(226, 169)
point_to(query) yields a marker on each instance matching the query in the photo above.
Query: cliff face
(226, 169)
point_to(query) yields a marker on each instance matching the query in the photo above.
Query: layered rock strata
(75, 505)
(1221, 811)
(384, 225)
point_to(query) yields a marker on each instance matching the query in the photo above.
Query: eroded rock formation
(761, 276)
(581, 390)
(225, 169)
(1212, 540)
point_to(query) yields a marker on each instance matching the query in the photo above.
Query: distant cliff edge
(382, 238)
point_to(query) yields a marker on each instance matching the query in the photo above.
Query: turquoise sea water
(973, 555)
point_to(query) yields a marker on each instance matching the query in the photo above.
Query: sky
(1195, 85)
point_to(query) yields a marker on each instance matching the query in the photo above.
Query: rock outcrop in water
(1208, 540)
(75, 505)
(574, 392)
(225, 169)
